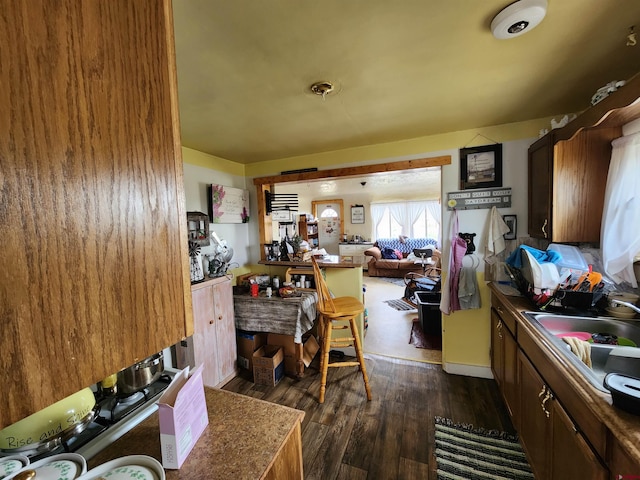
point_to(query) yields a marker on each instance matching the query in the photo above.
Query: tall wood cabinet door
(540, 188)
(510, 383)
(571, 456)
(535, 426)
(204, 337)
(94, 263)
(225, 329)
(497, 349)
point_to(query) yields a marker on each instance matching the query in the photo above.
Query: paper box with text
(183, 416)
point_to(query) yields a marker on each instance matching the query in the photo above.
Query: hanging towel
(468, 292)
(496, 228)
(580, 348)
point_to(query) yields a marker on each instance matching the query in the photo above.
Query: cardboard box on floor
(309, 349)
(248, 342)
(268, 365)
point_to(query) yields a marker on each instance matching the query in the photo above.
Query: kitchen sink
(628, 333)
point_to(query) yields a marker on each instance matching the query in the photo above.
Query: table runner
(287, 316)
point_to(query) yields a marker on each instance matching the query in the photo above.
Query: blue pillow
(389, 253)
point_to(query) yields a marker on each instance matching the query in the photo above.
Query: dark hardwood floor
(391, 437)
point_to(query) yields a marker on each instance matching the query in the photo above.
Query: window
(413, 219)
(329, 212)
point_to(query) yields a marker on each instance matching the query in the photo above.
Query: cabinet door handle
(499, 309)
(542, 392)
(499, 328)
(546, 398)
(543, 230)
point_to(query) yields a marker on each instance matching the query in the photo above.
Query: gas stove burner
(133, 398)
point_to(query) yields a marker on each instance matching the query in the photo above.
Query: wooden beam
(355, 171)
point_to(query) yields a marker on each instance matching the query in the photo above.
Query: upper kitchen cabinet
(568, 169)
(94, 255)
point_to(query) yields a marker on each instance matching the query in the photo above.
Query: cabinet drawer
(507, 319)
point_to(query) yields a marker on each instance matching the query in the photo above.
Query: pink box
(183, 416)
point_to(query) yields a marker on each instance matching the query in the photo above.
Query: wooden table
(287, 316)
(246, 438)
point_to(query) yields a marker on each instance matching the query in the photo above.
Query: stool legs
(326, 329)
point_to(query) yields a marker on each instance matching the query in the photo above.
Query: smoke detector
(518, 18)
(322, 88)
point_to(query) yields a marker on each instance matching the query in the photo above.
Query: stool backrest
(325, 302)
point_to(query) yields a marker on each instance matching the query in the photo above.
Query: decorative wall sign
(481, 167)
(357, 214)
(491, 197)
(228, 204)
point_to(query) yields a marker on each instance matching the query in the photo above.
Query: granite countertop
(624, 426)
(330, 261)
(243, 437)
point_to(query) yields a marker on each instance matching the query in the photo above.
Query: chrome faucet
(626, 304)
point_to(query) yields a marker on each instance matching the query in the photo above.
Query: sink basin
(628, 333)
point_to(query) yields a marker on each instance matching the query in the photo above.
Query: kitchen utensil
(12, 464)
(625, 391)
(49, 424)
(140, 467)
(138, 376)
(64, 466)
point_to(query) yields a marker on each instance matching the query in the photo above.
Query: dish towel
(468, 292)
(496, 228)
(580, 348)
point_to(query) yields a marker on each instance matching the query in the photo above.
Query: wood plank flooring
(391, 437)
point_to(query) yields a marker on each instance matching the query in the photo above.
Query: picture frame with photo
(512, 223)
(481, 167)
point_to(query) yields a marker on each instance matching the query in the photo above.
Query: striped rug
(465, 453)
(400, 304)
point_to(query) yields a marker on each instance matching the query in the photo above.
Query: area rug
(396, 281)
(462, 452)
(400, 305)
(419, 339)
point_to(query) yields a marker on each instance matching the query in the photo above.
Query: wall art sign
(357, 214)
(512, 222)
(227, 204)
(487, 198)
(481, 167)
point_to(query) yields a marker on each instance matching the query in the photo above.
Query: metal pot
(140, 375)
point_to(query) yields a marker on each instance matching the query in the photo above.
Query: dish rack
(559, 298)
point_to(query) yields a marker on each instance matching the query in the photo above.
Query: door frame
(314, 210)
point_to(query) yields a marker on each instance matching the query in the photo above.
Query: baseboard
(468, 370)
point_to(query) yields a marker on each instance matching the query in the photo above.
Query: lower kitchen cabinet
(554, 444)
(214, 339)
(356, 251)
(504, 351)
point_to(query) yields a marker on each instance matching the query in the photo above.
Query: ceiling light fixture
(322, 88)
(518, 18)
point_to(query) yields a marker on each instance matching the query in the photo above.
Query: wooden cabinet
(555, 446)
(568, 170)
(308, 231)
(94, 259)
(504, 351)
(214, 337)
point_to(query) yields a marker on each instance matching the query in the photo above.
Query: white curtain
(621, 215)
(398, 212)
(377, 212)
(413, 212)
(433, 208)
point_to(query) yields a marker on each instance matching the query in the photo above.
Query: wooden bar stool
(333, 313)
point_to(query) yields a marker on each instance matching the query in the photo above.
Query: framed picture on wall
(481, 167)
(512, 223)
(357, 214)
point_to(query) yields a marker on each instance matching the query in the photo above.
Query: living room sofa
(395, 267)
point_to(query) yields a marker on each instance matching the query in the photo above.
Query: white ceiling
(402, 70)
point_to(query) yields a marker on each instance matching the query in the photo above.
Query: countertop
(622, 425)
(243, 437)
(328, 261)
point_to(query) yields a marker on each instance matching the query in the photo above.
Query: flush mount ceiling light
(518, 18)
(322, 88)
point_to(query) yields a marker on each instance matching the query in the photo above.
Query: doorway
(330, 215)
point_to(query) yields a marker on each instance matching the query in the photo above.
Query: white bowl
(64, 466)
(140, 467)
(12, 464)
